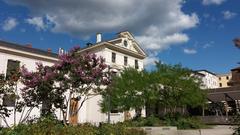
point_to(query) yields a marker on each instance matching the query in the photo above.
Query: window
(227, 77)
(136, 64)
(219, 78)
(125, 43)
(9, 100)
(125, 60)
(220, 84)
(12, 68)
(113, 57)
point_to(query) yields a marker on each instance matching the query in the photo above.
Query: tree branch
(4, 119)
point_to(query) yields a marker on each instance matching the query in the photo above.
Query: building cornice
(27, 54)
(113, 47)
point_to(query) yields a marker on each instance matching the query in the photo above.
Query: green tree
(169, 86)
(129, 90)
(179, 87)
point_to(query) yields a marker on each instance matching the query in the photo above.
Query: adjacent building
(223, 80)
(209, 79)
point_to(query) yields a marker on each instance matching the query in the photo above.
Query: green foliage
(182, 122)
(141, 122)
(178, 83)
(177, 120)
(168, 86)
(50, 126)
(236, 120)
(127, 91)
(119, 129)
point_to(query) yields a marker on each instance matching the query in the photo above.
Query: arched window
(125, 43)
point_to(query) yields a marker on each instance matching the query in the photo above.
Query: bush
(119, 129)
(49, 126)
(182, 122)
(142, 122)
(236, 120)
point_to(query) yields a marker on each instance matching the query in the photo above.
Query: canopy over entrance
(224, 94)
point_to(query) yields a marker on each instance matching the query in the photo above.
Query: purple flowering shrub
(74, 76)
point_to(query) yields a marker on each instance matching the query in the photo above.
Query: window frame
(125, 43)
(114, 55)
(125, 60)
(10, 70)
(136, 64)
(8, 100)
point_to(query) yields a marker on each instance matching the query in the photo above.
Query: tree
(83, 76)
(75, 77)
(129, 90)
(39, 88)
(10, 96)
(5, 87)
(236, 41)
(180, 87)
(169, 86)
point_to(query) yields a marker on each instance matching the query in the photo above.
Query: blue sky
(196, 33)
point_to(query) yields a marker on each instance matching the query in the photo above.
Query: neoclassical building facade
(119, 53)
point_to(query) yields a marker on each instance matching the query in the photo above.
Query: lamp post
(112, 73)
(109, 108)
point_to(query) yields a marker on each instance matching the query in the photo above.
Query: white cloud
(157, 24)
(208, 44)
(150, 60)
(228, 15)
(9, 24)
(189, 51)
(213, 2)
(37, 22)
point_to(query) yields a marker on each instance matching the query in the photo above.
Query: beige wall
(223, 79)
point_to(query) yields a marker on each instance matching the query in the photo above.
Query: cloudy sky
(196, 33)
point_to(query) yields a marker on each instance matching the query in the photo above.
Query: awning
(224, 94)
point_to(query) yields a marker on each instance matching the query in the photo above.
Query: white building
(209, 79)
(12, 54)
(120, 52)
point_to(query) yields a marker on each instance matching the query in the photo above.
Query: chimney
(49, 50)
(60, 51)
(29, 45)
(99, 38)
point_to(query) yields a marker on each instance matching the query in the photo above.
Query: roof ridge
(27, 49)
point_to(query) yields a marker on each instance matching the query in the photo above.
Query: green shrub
(152, 121)
(182, 122)
(119, 129)
(110, 129)
(236, 120)
(135, 131)
(49, 126)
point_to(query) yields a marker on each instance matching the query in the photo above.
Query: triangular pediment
(124, 43)
(127, 41)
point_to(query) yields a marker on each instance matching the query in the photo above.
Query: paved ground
(216, 130)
